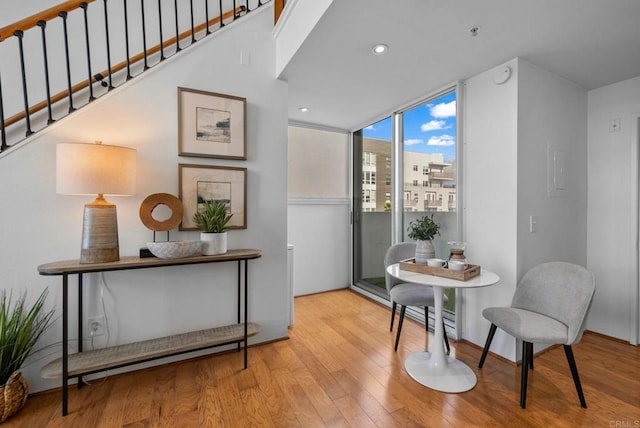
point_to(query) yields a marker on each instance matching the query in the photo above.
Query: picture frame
(199, 183)
(211, 125)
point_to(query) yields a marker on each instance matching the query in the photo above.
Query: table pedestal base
(452, 376)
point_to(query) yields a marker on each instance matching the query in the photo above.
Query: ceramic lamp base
(100, 233)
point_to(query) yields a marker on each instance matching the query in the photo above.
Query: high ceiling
(590, 42)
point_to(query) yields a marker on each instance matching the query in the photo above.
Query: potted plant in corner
(423, 230)
(213, 221)
(20, 328)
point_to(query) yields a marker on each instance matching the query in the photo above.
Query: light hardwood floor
(339, 369)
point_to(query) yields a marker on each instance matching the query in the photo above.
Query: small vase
(213, 243)
(424, 250)
(13, 395)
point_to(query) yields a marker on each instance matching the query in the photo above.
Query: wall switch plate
(533, 223)
(614, 125)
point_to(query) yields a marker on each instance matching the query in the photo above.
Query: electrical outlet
(96, 326)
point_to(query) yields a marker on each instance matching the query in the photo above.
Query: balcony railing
(431, 203)
(441, 175)
(71, 54)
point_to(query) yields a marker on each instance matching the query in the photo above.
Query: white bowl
(175, 249)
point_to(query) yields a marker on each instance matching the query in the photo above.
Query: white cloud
(443, 110)
(370, 128)
(433, 125)
(412, 142)
(442, 140)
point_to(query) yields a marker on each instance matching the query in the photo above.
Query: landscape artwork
(213, 125)
(213, 191)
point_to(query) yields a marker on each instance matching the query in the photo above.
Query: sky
(428, 128)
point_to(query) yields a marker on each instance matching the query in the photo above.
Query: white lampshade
(91, 169)
(96, 169)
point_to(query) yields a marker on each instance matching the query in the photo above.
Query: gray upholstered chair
(550, 305)
(405, 294)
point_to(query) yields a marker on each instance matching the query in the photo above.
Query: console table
(87, 362)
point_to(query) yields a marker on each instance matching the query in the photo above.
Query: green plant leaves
(423, 229)
(214, 218)
(20, 329)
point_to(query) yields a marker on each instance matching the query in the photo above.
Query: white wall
(508, 129)
(552, 122)
(552, 117)
(38, 226)
(612, 196)
(298, 18)
(319, 209)
(319, 230)
(490, 198)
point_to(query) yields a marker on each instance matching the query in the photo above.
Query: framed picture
(202, 183)
(211, 125)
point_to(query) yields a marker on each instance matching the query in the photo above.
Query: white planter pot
(424, 250)
(213, 243)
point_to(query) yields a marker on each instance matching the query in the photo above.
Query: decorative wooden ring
(151, 202)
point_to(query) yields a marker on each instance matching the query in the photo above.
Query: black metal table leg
(80, 332)
(65, 337)
(238, 293)
(246, 344)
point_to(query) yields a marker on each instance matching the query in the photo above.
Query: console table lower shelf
(98, 360)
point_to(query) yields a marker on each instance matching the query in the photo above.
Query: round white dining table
(435, 369)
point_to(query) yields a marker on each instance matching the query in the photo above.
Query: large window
(426, 178)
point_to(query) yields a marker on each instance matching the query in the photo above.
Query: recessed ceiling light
(304, 109)
(380, 49)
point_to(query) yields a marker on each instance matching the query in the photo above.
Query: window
(369, 177)
(368, 159)
(424, 180)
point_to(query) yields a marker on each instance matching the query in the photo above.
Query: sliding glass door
(403, 169)
(372, 205)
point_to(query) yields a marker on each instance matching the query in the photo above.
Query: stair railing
(83, 36)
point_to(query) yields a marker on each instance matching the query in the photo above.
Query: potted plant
(423, 230)
(213, 220)
(20, 328)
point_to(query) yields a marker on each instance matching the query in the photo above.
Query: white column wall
(38, 226)
(490, 198)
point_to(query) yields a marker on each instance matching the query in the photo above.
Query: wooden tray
(461, 275)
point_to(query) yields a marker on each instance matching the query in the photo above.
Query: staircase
(68, 56)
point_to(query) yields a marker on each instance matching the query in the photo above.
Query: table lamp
(96, 169)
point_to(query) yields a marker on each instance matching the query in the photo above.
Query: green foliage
(423, 229)
(213, 218)
(20, 329)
